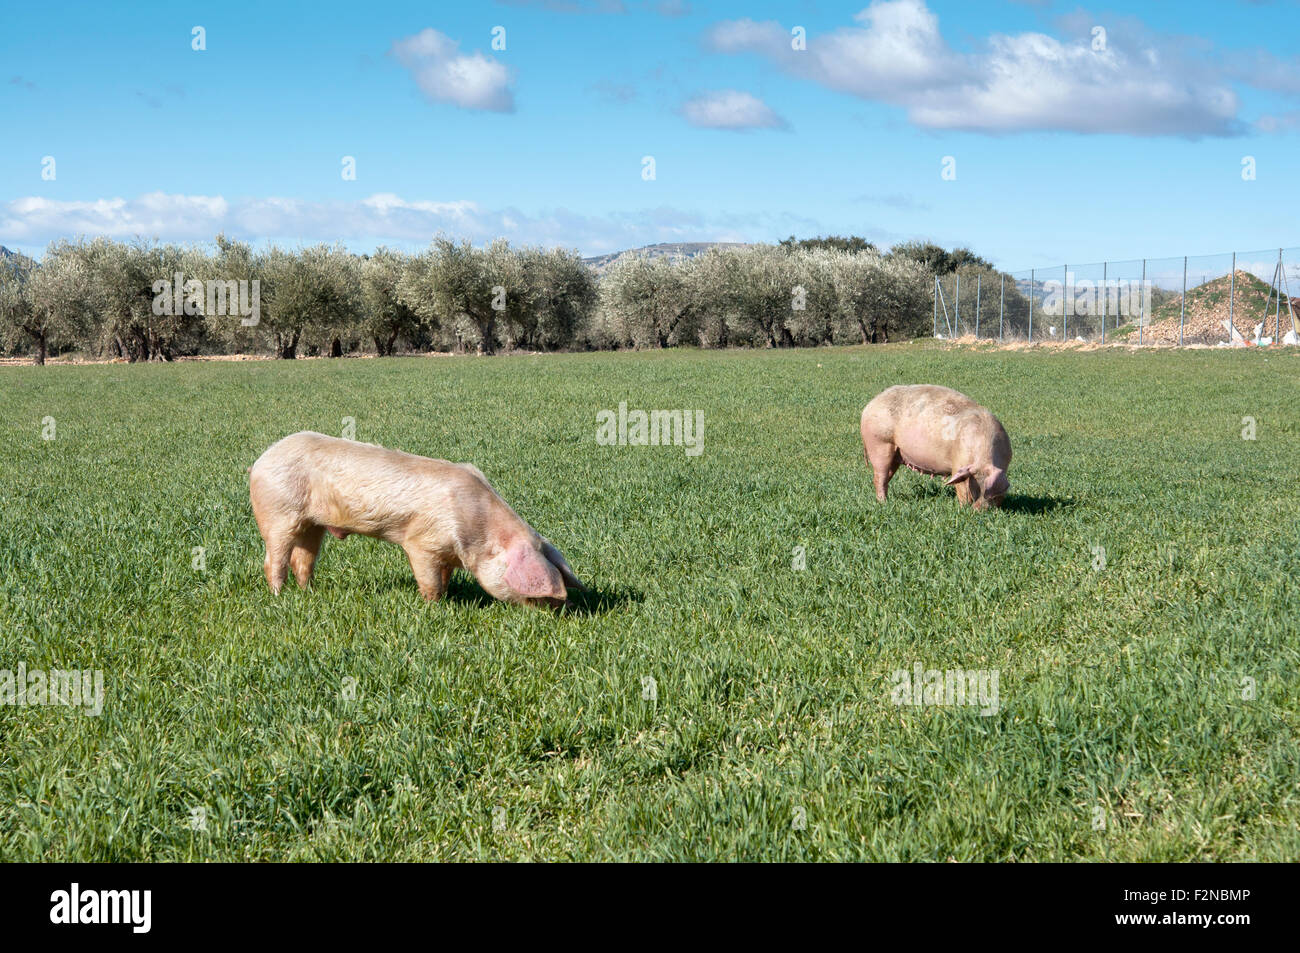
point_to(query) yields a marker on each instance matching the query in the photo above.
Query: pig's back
(321, 454)
(918, 401)
(912, 415)
(357, 486)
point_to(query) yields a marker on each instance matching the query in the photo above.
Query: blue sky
(1063, 151)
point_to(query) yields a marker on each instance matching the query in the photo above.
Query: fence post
(978, 281)
(1031, 306)
(1232, 297)
(1065, 308)
(1277, 324)
(1142, 310)
(1105, 296)
(1290, 310)
(956, 309)
(935, 332)
(1182, 315)
(1002, 298)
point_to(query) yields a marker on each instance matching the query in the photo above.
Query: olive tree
(133, 290)
(763, 289)
(233, 273)
(465, 291)
(313, 295)
(49, 304)
(648, 301)
(386, 316)
(337, 322)
(557, 296)
(814, 302)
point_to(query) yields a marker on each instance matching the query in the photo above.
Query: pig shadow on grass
(465, 590)
(597, 601)
(1035, 505)
(1012, 502)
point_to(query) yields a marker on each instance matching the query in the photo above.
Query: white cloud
(1030, 81)
(730, 109)
(381, 219)
(34, 219)
(445, 75)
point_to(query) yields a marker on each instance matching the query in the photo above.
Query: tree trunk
(392, 344)
(486, 339)
(40, 348)
(336, 348)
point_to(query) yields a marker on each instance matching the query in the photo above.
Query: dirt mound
(1207, 311)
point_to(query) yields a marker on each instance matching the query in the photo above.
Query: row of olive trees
(153, 302)
(149, 302)
(763, 296)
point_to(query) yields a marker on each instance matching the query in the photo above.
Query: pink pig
(940, 432)
(444, 515)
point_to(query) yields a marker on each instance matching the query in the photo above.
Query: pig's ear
(557, 560)
(531, 575)
(963, 474)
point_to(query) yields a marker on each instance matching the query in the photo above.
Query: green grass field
(1158, 695)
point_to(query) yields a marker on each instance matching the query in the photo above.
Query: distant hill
(662, 250)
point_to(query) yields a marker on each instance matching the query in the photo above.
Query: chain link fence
(1234, 299)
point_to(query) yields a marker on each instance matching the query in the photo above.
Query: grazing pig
(442, 514)
(939, 432)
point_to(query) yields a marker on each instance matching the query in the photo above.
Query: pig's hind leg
(278, 535)
(279, 547)
(302, 559)
(885, 460)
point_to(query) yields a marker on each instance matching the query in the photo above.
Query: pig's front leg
(965, 492)
(432, 575)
